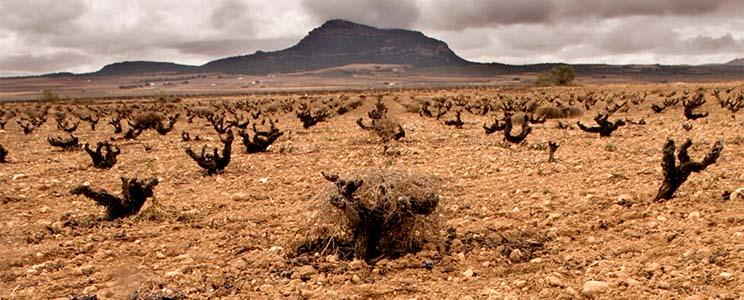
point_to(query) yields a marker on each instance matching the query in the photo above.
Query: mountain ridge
(736, 62)
(335, 43)
(338, 43)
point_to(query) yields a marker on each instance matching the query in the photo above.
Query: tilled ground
(519, 226)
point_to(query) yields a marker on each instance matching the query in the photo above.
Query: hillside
(128, 68)
(338, 43)
(736, 62)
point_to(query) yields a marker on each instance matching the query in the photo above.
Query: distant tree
(48, 96)
(560, 75)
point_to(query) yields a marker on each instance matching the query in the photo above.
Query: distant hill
(128, 68)
(736, 62)
(339, 43)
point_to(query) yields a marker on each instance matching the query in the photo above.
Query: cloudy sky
(41, 36)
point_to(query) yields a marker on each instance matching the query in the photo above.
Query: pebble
(520, 283)
(428, 264)
(35, 268)
(173, 273)
(240, 196)
(633, 282)
(726, 275)
(357, 264)
(554, 281)
(516, 255)
(331, 259)
(241, 264)
(320, 278)
(355, 278)
(87, 270)
(90, 290)
(266, 288)
(468, 273)
(276, 249)
(593, 288)
(738, 195)
(306, 271)
(651, 267)
(307, 294)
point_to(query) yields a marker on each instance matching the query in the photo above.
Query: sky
(43, 36)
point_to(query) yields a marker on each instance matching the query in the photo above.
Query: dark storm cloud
(614, 41)
(612, 9)
(648, 36)
(39, 16)
(35, 34)
(40, 36)
(231, 47)
(458, 14)
(705, 44)
(231, 13)
(382, 13)
(41, 63)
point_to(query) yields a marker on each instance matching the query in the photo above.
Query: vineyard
(598, 191)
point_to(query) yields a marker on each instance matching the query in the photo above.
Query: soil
(517, 226)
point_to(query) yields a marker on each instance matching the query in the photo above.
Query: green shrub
(560, 75)
(48, 96)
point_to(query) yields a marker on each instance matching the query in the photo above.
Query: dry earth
(589, 217)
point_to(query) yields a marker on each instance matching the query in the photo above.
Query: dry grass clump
(373, 213)
(387, 129)
(551, 112)
(412, 106)
(382, 125)
(149, 120)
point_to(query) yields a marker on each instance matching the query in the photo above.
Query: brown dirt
(590, 216)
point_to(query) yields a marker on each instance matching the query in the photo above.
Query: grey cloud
(458, 14)
(231, 47)
(634, 36)
(614, 41)
(382, 13)
(707, 44)
(231, 13)
(541, 38)
(649, 36)
(611, 9)
(40, 16)
(26, 63)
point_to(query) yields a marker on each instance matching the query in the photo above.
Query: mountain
(334, 44)
(736, 62)
(338, 43)
(128, 68)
